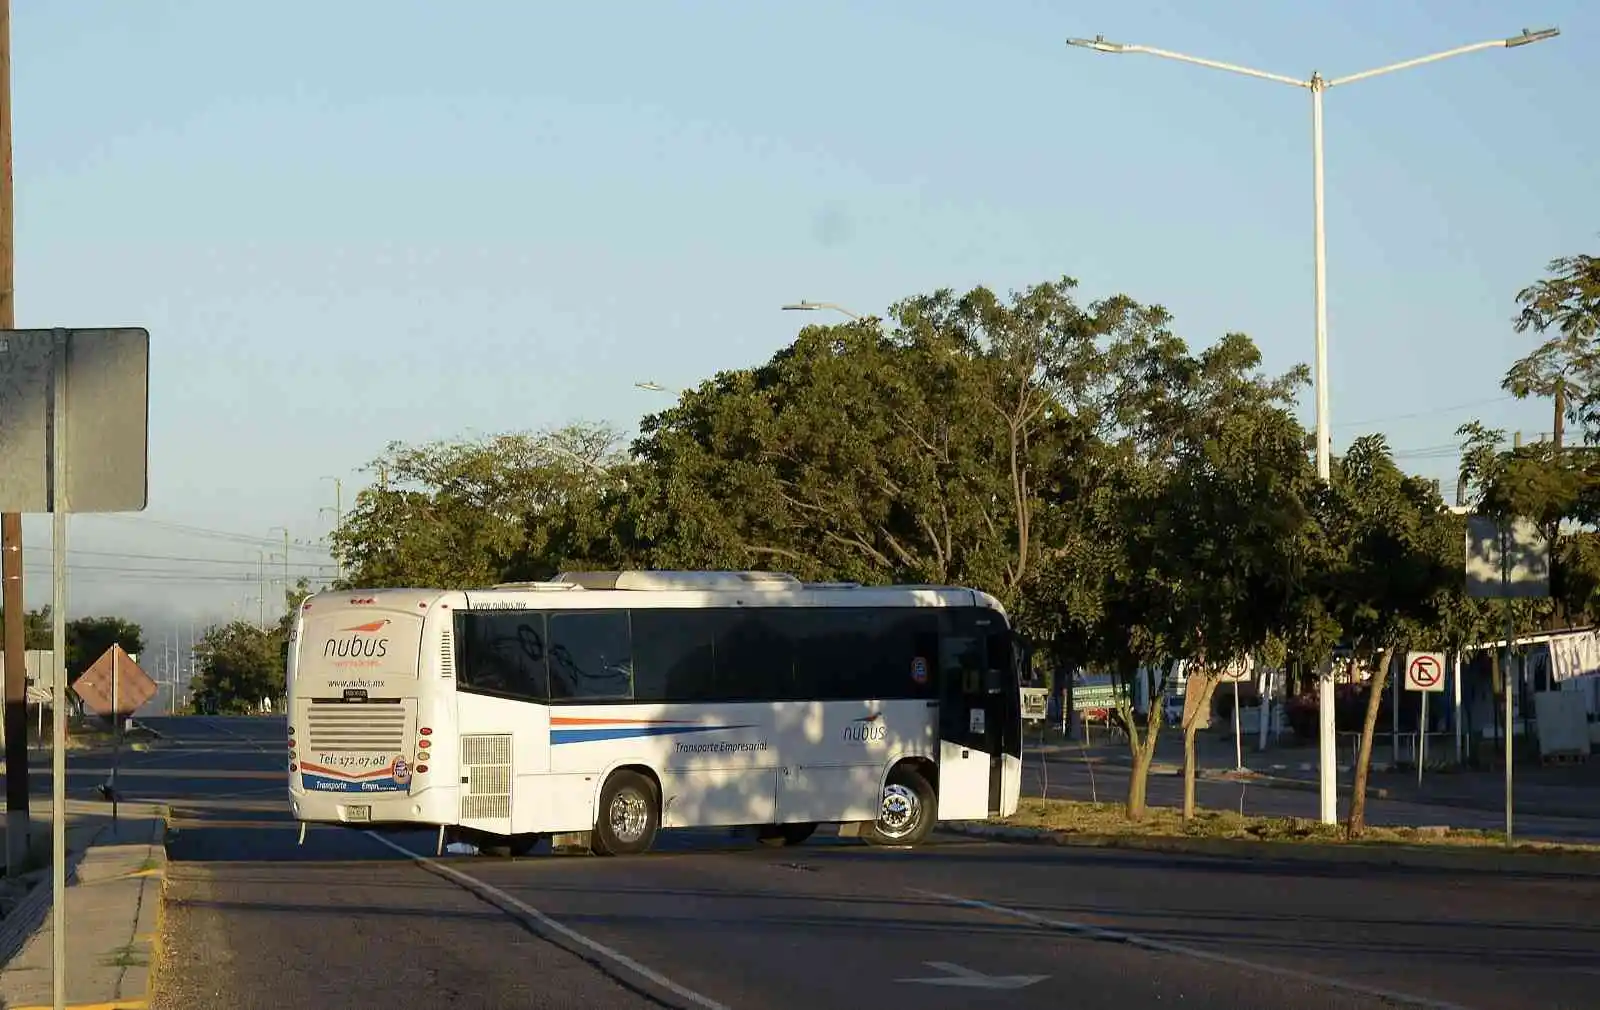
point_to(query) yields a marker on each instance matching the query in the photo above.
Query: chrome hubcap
(898, 812)
(628, 816)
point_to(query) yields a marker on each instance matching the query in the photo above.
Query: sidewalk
(1559, 791)
(114, 878)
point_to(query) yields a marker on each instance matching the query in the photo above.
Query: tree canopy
(1134, 501)
(87, 637)
(238, 666)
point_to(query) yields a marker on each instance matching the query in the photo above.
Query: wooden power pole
(11, 597)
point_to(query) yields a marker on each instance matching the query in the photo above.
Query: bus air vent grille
(486, 765)
(447, 655)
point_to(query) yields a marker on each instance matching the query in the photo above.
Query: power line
(155, 576)
(146, 570)
(1424, 413)
(205, 533)
(180, 558)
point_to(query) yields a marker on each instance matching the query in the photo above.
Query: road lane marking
(966, 978)
(519, 909)
(1162, 946)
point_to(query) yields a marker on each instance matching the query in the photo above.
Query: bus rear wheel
(629, 817)
(785, 834)
(907, 810)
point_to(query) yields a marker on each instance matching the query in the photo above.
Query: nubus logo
(867, 729)
(359, 645)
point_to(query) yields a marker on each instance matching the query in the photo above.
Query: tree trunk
(1138, 783)
(1197, 691)
(1142, 746)
(1358, 788)
(1188, 771)
(1560, 427)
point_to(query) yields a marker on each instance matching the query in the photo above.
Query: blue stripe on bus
(561, 736)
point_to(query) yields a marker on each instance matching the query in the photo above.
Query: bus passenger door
(968, 725)
(1007, 658)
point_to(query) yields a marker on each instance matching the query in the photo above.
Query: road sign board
(1035, 703)
(1237, 671)
(106, 419)
(133, 686)
(1424, 671)
(1521, 544)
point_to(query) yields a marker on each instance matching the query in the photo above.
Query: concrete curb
(150, 919)
(1373, 854)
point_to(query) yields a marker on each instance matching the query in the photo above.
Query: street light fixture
(1317, 84)
(651, 387)
(809, 306)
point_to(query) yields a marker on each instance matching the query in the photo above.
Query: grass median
(1110, 820)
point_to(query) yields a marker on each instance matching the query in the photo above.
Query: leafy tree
(458, 514)
(89, 637)
(1399, 576)
(1550, 486)
(1242, 490)
(911, 455)
(1566, 367)
(37, 629)
(1134, 503)
(1190, 522)
(238, 665)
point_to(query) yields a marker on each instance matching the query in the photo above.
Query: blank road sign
(1424, 671)
(106, 414)
(133, 686)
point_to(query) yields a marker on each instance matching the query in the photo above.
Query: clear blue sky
(346, 223)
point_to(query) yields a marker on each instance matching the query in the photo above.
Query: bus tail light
(421, 769)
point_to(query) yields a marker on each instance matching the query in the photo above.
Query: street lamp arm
(810, 306)
(1217, 65)
(1435, 57)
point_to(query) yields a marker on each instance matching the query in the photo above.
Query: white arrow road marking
(966, 978)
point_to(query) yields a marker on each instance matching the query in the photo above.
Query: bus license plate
(361, 813)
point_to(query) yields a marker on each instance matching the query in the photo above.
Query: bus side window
(673, 654)
(590, 655)
(999, 670)
(971, 651)
(754, 657)
(502, 653)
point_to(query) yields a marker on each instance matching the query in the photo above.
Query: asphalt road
(1063, 776)
(712, 921)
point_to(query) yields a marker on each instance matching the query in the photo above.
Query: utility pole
(261, 597)
(285, 564)
(338, 517)
(11, 595)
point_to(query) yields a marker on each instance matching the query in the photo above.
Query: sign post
(74, 436)
(1506, 559)
(113, 681)
(1424, 673)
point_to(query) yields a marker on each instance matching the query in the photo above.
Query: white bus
(600, 707)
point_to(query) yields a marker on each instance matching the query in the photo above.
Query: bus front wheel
(629, 816)
(907, 810)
